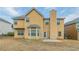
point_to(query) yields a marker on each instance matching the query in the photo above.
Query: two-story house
(33, 25)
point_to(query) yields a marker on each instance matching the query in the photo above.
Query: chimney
(53, 25)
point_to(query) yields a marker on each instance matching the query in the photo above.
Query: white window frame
(31, 30)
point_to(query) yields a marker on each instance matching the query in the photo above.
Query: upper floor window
(27, 19)
(58, 22)
(15, 22)
(77, 27)
(46, 21)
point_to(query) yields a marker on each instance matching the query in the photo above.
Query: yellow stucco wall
(34, 18)
(16, 34)
(60, 28)
(47, 29)
(53, 25)
(20, 24)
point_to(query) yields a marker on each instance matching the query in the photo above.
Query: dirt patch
(11, 44)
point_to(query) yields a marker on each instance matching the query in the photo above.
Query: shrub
(10, 34)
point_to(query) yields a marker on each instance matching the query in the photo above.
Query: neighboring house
(72, 29)
(33, 25)
(5, 26)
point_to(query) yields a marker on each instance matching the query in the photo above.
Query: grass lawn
(10, 44)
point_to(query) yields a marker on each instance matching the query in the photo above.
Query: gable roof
(34, 10)
(4, 21)
(73, 21)
(23, 16)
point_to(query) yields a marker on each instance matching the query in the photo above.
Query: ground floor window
(20, 32)
(59, 33)
(37, 32)
(45, 34)
(33, 32)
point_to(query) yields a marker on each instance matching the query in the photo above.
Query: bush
(4, 34)
(10, 34)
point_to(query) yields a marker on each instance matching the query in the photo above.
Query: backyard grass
(11, 44)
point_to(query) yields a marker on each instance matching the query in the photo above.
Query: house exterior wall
(20, 23)
(60, 28)
(70, 31)
(47, 28)
(53, 25)
(35, 18)
(16, 34)
(5, 27)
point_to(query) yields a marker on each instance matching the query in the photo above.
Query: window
(20, 32)
(33, 32)
(27, 19)
(37, 32)
(44, 34)
(15, 22)
(77, 26)
(78, 30)
(59, 33)
(46, 21)
(58, 22)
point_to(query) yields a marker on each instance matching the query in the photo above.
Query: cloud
(73, 15)
(49, 8)
(9, 19)
(8, 12)
(11, 11)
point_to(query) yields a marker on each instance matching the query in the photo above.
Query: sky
(69, 13)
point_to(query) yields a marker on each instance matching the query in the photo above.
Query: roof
(34, 10)
(46, 18)
(4, 21)
(73, 21)
(19, 17)
(57, 18)
(23, 16)
(19, 28)
(60, 18)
